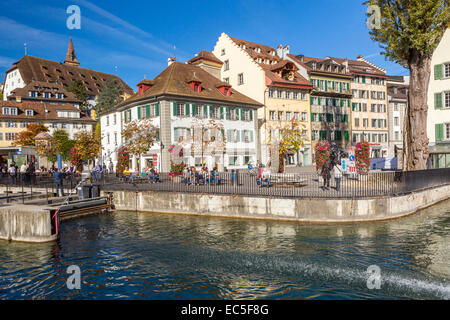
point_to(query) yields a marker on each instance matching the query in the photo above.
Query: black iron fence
(298, 185)
(23, 186)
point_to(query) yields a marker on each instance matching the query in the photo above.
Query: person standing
(111, 167)
(326, 174)
(23, 172)
(31, 173)
(58, 176)
(337, 175)
(12, 173)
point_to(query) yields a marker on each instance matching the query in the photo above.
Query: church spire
(70, 57)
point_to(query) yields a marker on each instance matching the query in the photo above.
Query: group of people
(262, 173)
(148, 172)
(192, 176)
(26, 172)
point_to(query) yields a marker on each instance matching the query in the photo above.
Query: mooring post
(23, 199)
(46, 191)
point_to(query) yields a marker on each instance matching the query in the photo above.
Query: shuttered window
(438, 71)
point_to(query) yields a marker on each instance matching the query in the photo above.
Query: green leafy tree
(409, 32)
(109, 96)
(139, 136)
(62, 144)
(77, 88)
(88, 145)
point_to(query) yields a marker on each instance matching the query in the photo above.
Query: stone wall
(306, 210)
(25, 223)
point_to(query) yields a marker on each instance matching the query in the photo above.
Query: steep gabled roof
(44, 87)
(174, 81)
(39, 111)
(38, 69)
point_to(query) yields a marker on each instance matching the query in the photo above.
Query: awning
(440, 148)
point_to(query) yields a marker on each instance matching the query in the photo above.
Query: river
(127, 255)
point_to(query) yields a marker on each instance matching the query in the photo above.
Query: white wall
(13, 80)
(440, 55)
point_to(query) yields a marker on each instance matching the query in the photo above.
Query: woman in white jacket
(338, 175)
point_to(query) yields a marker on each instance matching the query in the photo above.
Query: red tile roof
(39, 111)
(174, 81)
(205, 55)
(38, 69)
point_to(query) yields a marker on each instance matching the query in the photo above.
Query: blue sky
(138, 37)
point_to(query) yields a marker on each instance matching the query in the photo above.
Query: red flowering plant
(322, 154)
(123, 159)
(176, 155)
(362, 152)
(76, 159)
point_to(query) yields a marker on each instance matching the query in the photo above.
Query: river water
(126, 255)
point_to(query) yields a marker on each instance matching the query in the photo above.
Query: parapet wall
(304, 210)
(25, 223)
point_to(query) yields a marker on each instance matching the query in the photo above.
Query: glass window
(240, 78)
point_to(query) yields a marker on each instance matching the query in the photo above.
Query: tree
(109, 96)
(77, 88)
(26, 137)
(207, 137)
(139, 136)
(291, 137)
(88, 145)
(410, 31)
(321, 154)
(76, 159)
(62, 144)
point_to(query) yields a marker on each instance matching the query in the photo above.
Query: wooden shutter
(211, 111)
(438, 100)
(438, 71)
(439, 127)
(242, 114)
(251, 114)
(157, 109)
(194, 110)
(312, 117)
(175, 108)
(228, 113)
(205, 111)
(187, 109)
(147, 111)
(139, 112)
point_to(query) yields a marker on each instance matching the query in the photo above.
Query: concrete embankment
(27, 223)
(303, 210)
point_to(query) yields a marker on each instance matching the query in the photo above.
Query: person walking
(337, 170)
(58, 176)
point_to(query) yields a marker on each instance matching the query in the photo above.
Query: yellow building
(263, 73)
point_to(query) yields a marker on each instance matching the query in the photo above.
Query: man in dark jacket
(326, 174)
(58, 176)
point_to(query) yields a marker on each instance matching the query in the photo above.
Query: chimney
(360, 56)
(171, 60)
(280, 51)
(285, 51)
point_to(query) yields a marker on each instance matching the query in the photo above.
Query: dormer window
(60, 96)
(32, 94)
(47, 95)
(225, 88)
(195, 85)
(29, 112)
(313, 65)
(144, 85)
(258, 50)
(272, 53)
(10, 111)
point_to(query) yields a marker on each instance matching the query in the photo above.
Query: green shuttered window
(438, 100)
(438, 71)
(439, 127)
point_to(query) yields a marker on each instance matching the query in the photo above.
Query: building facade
(264, 74)
(15, 117)
(30, 69)
(330, 98)
(397, 101)
(438, 120)
(177, 100)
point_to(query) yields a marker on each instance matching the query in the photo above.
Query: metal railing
(298, 185)
(21, 187)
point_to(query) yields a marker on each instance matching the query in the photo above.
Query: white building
(438, 120)
(178, 96)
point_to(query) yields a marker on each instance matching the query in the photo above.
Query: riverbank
(271, 208)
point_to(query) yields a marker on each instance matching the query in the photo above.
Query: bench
(289, 179)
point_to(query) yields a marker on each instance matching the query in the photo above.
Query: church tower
(71, 59)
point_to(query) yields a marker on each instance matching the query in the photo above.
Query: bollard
(23, 199)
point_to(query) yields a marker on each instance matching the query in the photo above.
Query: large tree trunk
(415, 130)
